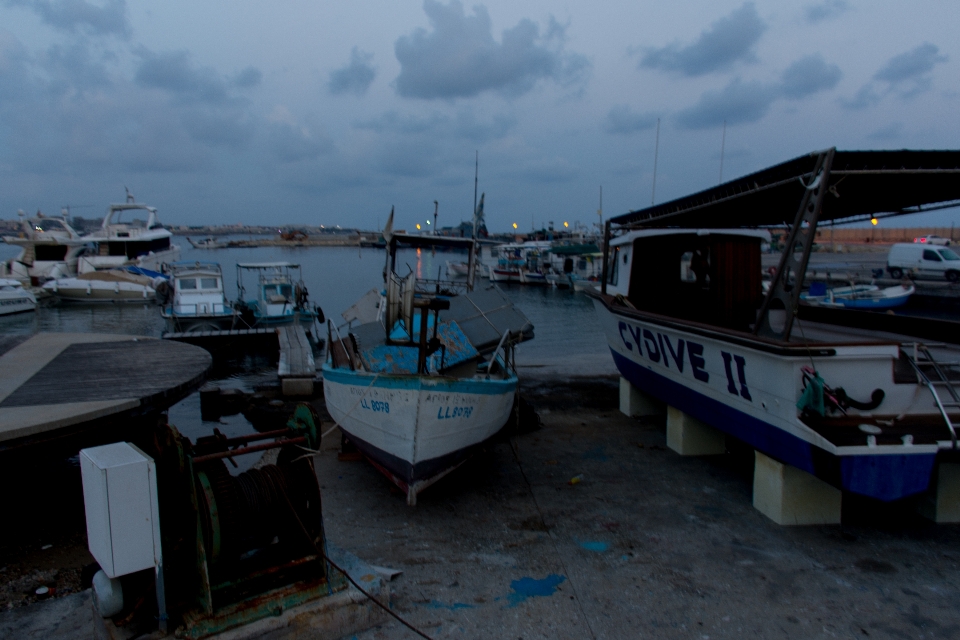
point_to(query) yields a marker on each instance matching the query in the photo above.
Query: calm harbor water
(568, 340)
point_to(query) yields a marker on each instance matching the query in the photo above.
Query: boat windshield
(47, 224)
(948, 254)
(282, 290)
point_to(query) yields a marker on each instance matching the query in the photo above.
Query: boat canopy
(860, 185)
(267, 265)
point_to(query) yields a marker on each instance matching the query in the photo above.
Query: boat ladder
(935, 374)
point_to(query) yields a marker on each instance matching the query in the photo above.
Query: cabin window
(188, 283)
(208, 283)
(948, 254)
(53, 253)
(930, 254)
(613, 273)
(686, 273)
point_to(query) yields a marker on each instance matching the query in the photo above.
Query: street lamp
(514, 225)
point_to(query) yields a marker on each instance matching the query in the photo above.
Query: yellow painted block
(790, 496)
(690, 437)
(634, 402)
(943, 505)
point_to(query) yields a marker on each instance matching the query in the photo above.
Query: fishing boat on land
(858, 296)
(131, 235)
(865, 413)
(193, 299)
(14, 298)
(281, 295)
(422, 379)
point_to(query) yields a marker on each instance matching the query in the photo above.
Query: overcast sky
(308, 112)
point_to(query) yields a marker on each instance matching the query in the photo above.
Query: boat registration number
(445, 413)
(376, 406)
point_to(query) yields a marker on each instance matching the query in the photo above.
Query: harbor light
(873, 221)
(514, 225)
(428, 222)
(566, 224)
(418, 226)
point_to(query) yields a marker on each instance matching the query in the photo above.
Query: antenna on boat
(723, 142)
(600, 210)
(476, 176)
(656, 153)
(130, 197)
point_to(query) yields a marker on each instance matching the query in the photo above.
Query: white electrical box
(120, 500)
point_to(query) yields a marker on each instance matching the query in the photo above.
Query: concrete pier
(789, 496)
(943, 505)
(690, 437)
(635, 403)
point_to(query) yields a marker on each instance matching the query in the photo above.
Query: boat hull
(416, 428)
(17, 302)
(76, 290)
(750, 392)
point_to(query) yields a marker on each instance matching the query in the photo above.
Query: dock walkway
(297, 367)
(51, 381)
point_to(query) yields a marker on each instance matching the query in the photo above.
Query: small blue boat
(281, 296)
(862, 296)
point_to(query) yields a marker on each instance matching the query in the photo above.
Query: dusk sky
(298, 112)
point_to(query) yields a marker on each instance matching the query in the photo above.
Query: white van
(923, 260)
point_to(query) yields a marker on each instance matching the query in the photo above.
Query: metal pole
(656, 152)
(723, 142)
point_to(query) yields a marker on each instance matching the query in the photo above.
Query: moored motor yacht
(49, 249)
(131, 235)
(14, 298)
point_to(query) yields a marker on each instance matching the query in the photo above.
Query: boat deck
(53, 381)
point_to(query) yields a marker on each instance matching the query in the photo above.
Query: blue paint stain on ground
(599, 547)
(435, 604)
(527, 587)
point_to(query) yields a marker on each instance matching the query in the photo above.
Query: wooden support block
(943, 502)
(690, 437)
(634, 402)
(789, 496)
(297, 386)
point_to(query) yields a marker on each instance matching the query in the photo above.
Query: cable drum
(248, 511)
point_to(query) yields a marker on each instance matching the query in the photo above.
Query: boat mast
(476, 175)
(656, 152)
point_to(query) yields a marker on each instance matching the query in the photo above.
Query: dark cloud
(218, 129)
(459, 58)
(622, 120)
(393, 122)
(887, 134)
(174, 72)
(728, 40)
(81, 16)
(906, 75)
(248, 78)
(737, 103)
(290, 143)
(826, 10)
(479, 130)
(809, 75)
(464, 124)
(354, 78)
(910, 67)
(545, 171)
(744, 102)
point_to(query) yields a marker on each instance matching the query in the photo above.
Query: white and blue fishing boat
(687, 323)
(868, 297)
(281, 295)
(193, 300)
(424, 376)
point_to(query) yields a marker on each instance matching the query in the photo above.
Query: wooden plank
(296, 353)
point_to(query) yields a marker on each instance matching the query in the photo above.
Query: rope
(336, 423)
(553, 539)
(321, 554)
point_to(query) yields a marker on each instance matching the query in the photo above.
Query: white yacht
(193, 300)
(14, 298)
(49, 249)
(131, 235)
